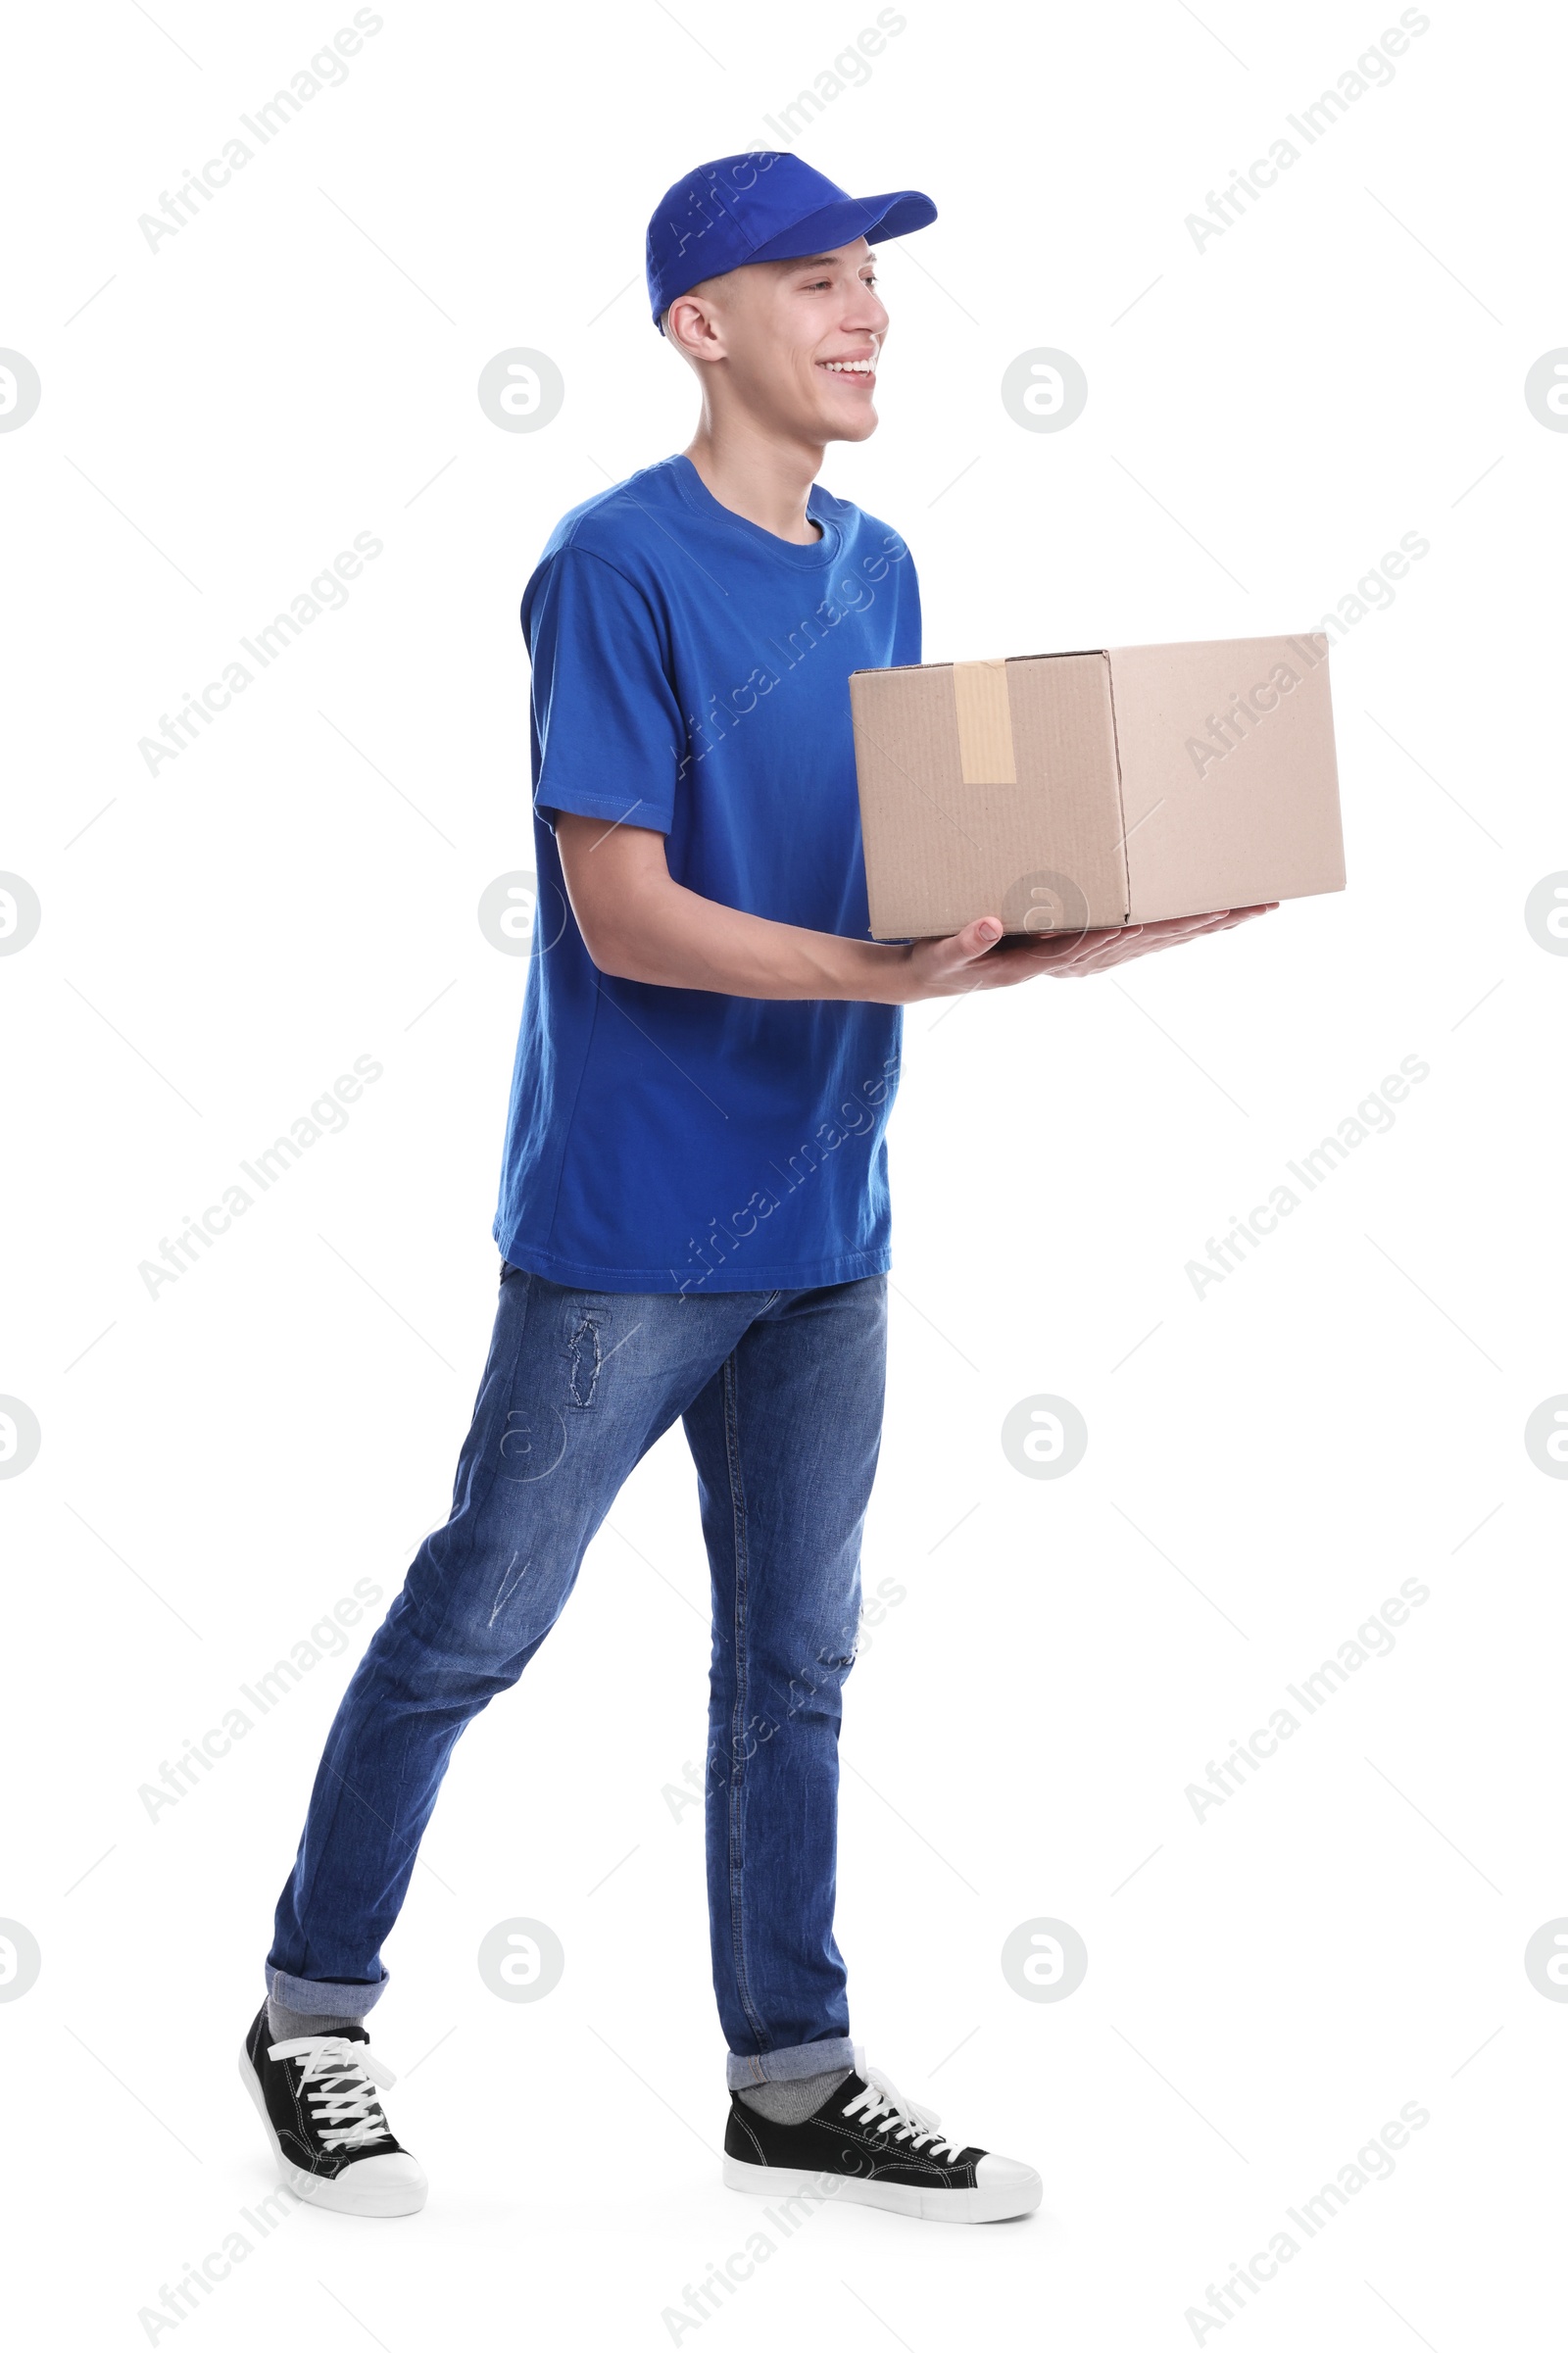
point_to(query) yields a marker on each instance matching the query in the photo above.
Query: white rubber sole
(995, 2203)
(366, 2195)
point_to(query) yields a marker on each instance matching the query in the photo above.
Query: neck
(757, 475)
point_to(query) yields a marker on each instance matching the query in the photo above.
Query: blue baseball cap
(767, 206)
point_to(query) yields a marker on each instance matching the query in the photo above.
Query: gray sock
(792, 2102)
(286, 2026)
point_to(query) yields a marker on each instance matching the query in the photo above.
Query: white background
(1265, 1465)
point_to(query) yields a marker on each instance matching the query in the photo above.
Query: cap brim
(891, 216)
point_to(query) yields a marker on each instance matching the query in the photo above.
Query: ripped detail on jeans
(509, 1585)
(584, 1356)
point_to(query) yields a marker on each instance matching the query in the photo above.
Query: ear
(693, 324)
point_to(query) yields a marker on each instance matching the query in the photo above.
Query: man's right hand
(980, 957)
(638, 924)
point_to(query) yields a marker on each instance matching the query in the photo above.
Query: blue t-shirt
(691, 675)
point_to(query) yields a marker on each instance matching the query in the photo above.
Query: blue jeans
(781, 1397)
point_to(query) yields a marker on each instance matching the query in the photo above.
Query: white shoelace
(884, 2107)
(348, 2113)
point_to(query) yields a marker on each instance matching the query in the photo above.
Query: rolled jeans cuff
(788, 2067)
(320, 1997)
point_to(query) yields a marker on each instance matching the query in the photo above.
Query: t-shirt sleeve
(909, 631)
(608, 725)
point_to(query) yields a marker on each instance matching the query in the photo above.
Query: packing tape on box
(985, 722)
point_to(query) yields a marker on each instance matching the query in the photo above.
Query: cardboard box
(1062, 791)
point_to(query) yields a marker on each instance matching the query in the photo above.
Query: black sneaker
(869, 2145)
(317, 2097)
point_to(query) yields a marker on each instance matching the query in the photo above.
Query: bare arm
(638, 924)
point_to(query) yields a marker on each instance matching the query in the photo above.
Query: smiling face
(794, 343)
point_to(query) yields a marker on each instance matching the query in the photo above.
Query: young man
(694, 1205)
